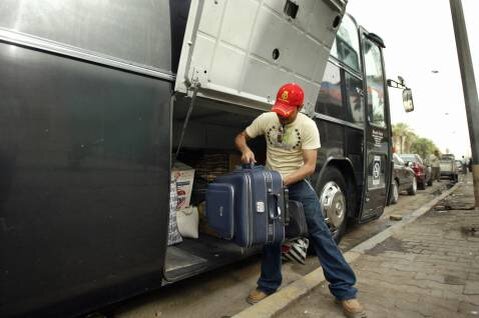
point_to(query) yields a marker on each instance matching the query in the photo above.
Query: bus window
(346, 45)
(330, 98)
(354, 99)
(375, 83)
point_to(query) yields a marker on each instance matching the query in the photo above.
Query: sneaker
(352, 308)
(256, 296)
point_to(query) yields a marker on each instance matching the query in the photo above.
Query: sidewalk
(427, 268)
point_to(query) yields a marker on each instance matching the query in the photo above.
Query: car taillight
(416, 168)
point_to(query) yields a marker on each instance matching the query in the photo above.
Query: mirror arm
(394, 84)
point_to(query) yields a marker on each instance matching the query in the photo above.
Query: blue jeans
(337, 271)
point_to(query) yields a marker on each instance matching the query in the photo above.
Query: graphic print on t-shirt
(283, 137)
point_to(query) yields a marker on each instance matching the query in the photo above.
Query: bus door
(377, 153)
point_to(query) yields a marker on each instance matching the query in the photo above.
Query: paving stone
(472, 299)
(471, 288)
(468, 308)
(431, 277)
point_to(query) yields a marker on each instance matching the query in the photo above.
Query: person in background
(435, 165)
(464, 165)
(292, 143)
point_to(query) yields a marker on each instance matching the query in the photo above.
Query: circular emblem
(376, 170)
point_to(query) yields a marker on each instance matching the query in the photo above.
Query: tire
(429, 183)
(332, 194)
(422, 185)
(393, 199)
(413, 189)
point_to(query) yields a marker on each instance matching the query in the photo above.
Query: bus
(99, 99)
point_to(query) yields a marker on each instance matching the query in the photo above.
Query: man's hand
(287, 181)
(247, 156)
(307, 169)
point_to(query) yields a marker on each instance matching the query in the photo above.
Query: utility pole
(468, 86)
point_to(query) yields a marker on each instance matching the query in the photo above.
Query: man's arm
(308, 168)
(247, 156)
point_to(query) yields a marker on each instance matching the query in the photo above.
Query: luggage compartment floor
(177, 259)
(193, 256)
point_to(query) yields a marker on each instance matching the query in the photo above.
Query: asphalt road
(222, 293)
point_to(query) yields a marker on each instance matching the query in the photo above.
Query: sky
(419, 38)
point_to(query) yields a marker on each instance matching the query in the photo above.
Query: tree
(403, 137)
(424, 147)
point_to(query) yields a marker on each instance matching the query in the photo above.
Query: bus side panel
(332, 140)
(84, 178)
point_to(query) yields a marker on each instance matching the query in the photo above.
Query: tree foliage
(404, 137)
(424, 147)
(409, 142)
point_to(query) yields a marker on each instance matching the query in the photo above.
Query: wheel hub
(333, 203)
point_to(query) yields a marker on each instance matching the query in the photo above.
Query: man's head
(289, 101)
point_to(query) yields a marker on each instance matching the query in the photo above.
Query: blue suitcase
(247, 206)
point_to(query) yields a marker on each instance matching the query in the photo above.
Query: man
(464, 165)
(435, 164)
(292, 141)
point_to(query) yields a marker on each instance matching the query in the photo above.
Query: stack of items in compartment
(212, 165)
(208, 168)
(191, 183)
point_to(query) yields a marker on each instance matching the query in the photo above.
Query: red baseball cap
(290, 97)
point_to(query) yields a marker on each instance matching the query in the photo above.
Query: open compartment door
(241, 52)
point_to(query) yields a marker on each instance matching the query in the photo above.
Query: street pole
(468, 86)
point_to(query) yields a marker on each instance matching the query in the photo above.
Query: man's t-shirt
(285, 143)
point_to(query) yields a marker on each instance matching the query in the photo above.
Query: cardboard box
(184, 176)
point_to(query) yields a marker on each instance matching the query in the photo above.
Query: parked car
(448, 167)
(404, 179)
(421, 170)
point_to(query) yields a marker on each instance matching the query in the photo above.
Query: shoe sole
(253, 301)
(355, 315)
(350, 314)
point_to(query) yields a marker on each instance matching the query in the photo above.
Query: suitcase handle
(248, 165)
(278, 208)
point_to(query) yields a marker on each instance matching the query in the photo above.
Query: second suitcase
(297, 226)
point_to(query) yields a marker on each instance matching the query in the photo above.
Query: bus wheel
(332, 196)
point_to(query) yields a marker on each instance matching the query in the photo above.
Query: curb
(280, 300)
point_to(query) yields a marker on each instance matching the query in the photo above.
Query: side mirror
(407, 100)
